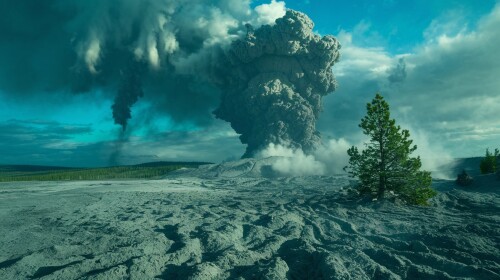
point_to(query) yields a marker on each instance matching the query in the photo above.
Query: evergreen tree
(489, 162)
(385, 165)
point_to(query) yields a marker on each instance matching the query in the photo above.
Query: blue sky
(398, 26)
(448, 98)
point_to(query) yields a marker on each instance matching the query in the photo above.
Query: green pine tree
(489, 162)
(385, 165)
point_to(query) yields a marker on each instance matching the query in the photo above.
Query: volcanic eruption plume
(261, 68)
(129, 92)
(275, 79)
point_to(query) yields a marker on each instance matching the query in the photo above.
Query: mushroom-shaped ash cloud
(272, 83)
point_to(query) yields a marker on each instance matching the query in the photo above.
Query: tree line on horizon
(105, 173)
(488, 165)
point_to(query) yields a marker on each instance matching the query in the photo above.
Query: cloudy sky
(436, 62)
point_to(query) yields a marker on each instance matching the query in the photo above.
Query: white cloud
(92, 55)
(268, 13)
(371, 62)
(213, 144)
(451, 86)
(448, 25)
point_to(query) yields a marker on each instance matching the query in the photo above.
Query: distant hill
(37, 168)
(471, 165)
(168, 163)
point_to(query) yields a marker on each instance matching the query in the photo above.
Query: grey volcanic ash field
(239, 221)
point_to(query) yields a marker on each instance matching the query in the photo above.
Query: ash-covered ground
(241, 221)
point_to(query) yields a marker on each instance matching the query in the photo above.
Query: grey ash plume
(274, 81)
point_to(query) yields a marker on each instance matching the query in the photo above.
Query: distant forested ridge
(150, 170)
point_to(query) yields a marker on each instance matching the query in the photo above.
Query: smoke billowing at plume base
(263, 69)
(327, 159)
(330, 157)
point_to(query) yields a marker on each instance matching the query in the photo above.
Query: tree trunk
(382, 181)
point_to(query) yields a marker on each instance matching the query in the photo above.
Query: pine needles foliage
(386, 165)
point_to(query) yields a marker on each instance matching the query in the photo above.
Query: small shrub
(463, 179)
(420, 196)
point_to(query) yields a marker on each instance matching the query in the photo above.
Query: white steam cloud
(331, 157)
(328, 159)
(433, 155)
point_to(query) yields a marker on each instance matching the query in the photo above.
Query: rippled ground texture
(243, 228)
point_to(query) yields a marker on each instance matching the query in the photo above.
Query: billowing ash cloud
(179, 58)
(273, 84)
(57, 47)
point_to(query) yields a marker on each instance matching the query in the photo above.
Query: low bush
(463, 179)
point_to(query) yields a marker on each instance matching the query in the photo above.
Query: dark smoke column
(129, 92)
(273, 83)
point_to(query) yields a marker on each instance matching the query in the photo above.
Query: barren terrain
(233, 221)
